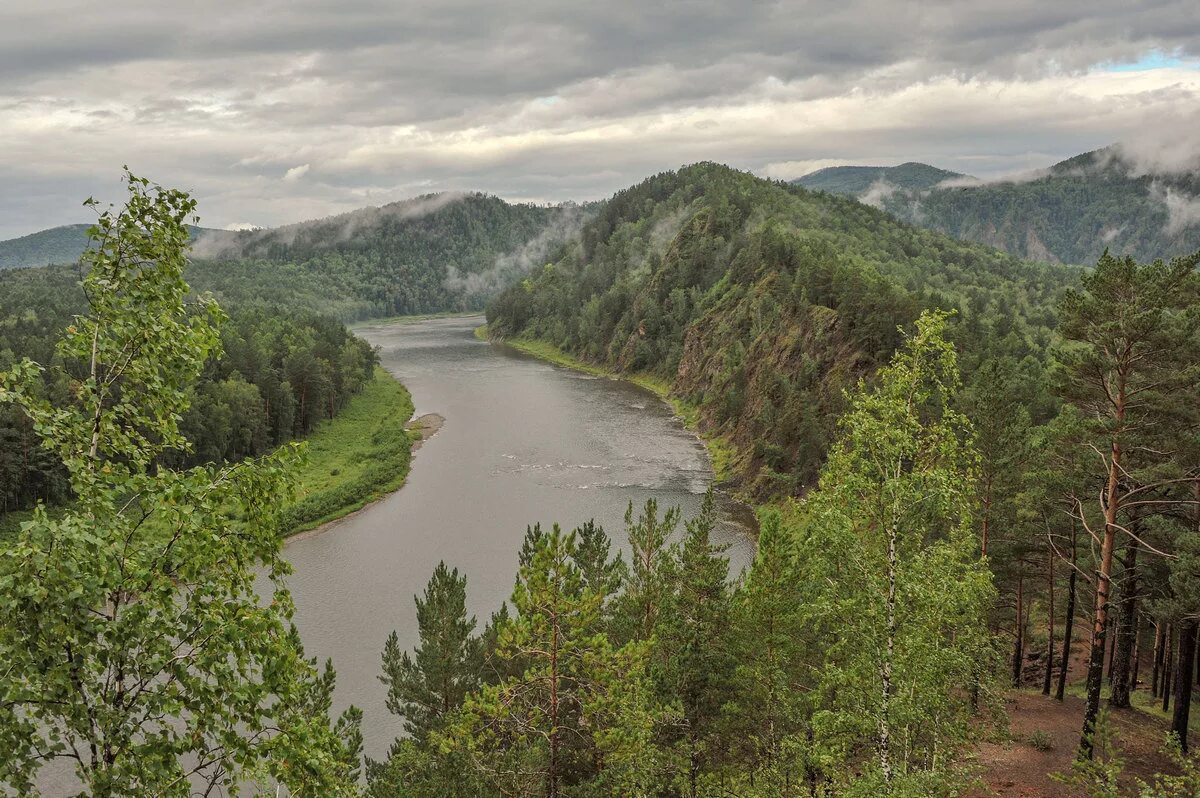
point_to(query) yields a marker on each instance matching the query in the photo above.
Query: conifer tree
(1129, 361)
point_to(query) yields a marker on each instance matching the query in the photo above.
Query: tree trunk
(1166, 674)
(1126, 632)
(1112, 506)
(1114, 627)
(1019, 636)
(1134, 677)
(885, 732)
(1068, 627)
(1183, 684)
(1156, 667)
(1049, 627)
(552, 776)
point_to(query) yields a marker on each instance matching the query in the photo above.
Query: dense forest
(1071, 213)
(58, 245)
(436, 253)
(281, 372)
(967, 468)
(776, 313)
(762, 303)
(858, 180)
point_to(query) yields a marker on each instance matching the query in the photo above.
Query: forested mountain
(761, 303)
(434, 253)
(57, 245)
(1069, 213)
(440, 252)
(858, 180)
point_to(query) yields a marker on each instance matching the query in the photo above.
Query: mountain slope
(857, 180)
(1069, 213)
(761, 302)
(57, 245)
(440, 252)
(435, 253)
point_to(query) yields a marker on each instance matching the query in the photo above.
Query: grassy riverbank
(720, 451)
(361, 455)
(413, 319)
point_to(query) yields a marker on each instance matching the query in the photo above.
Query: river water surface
(523, 442)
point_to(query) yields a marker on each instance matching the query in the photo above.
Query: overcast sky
(272, 112)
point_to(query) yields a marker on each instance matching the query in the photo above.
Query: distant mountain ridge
(438, 252)
(63, 244)
(1069, 212)
(856, 180)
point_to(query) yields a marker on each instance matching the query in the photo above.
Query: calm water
(523, 442)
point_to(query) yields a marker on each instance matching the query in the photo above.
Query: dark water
(523, 442)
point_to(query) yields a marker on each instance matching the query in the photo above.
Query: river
(523, 441)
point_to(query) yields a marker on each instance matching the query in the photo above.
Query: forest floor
(1016, 768)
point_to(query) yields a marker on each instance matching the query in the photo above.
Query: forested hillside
(281, 372)
(1069, 213)
(440, 252)
(762, 303)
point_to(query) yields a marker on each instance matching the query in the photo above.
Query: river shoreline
(721, 453)
(426, 427)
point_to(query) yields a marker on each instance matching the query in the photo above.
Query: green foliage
(893, 588)
(361, 454)
(857, 180)
(278, 375)
(135, 645)
(426, 689)
(1040, 740)
(761, 304)
(579, 709)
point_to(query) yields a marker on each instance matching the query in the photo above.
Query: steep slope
(760, 302)
(1069, 213)
(858, 180)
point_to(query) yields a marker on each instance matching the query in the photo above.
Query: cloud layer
(273, 112)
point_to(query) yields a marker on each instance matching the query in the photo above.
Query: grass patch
(721, 452)
(361, 455)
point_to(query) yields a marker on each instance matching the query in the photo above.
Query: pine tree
(695, 659)
(579, 709)
(445, 666)
(1130, 352)
(768, 717)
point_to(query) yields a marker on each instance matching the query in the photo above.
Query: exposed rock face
(778, 352)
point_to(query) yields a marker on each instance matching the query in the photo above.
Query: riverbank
(361, 455)
(413, 319)
(721, 452)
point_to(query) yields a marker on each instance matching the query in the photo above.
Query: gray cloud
(544, 100)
